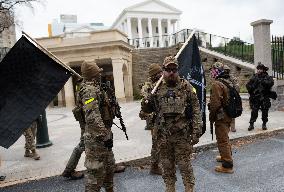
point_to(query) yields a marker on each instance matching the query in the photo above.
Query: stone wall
(142, 58)
(241, 73)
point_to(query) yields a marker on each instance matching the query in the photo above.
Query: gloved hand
(108, 143)
(194, 140)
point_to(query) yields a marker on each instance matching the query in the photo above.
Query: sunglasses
(174, 70)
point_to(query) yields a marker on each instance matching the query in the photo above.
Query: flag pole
(176, 56)
(51, 55)
(185, 43)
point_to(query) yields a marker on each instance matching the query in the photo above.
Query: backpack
(234, 106)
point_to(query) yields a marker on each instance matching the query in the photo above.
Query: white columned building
(149, 24)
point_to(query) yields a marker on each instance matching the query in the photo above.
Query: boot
(74, 175)
(222, 169)
(2, 178)
(155, 169)
(251, 127)
(219, 159)
(233, 129)
(147, 128)
(264, 126)
(35, 155)
(188, 188)
(28, 153)
(119, 169)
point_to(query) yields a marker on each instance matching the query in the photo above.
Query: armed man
(259, 89)
(178, 124)
(155, 73)
(221, 115)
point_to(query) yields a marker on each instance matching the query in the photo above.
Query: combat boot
(74, 175)
(219, 159)
(119, 169)
(35, 155)
(2, 177)
(222, 169)
(28, 153)
(264, 126)
(251, 127)
(155, 169)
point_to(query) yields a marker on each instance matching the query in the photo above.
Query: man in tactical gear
(259, 88)
(30, 146)
(98, 137)
(235, 81)
(219, 96)
(155, 73)
(177, 130)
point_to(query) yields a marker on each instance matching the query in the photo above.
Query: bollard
(42, 138)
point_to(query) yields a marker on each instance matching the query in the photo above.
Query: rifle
(113, 101)
(211, 129)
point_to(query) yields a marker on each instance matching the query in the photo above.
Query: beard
(171, 81)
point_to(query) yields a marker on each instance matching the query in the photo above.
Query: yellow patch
(194, 90)
(89, 101)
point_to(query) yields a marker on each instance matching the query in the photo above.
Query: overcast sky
(226, 18)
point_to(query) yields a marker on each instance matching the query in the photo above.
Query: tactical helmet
(170, 60)
(90, 69)
(261, 66)
(154, 69)
(217, 69)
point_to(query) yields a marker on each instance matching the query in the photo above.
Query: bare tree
(7, 8)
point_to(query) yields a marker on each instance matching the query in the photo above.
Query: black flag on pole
(190, 68)
(29, 80)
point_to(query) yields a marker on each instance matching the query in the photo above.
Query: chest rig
(172, 101)
(106, 109)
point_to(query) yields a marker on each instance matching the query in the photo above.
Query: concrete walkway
(64, 132)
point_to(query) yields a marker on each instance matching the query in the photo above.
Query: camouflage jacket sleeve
(196, 114)
(90, 97)
(235, 83)
(146, 89)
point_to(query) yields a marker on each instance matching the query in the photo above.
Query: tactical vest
(106, 109)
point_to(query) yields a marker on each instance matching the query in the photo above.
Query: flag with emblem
(191, 68)
(29, 80)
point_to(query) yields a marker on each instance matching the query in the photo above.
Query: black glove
(108, 143)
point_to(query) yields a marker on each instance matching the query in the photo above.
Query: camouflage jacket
(170, 104)
(90, 96)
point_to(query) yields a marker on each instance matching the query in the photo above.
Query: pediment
(153, 6)
(82, 29)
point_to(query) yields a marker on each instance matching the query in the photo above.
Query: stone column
(140, 32)
(150, 31)
(177, 22)
(129, 32)
(60, 98)
(174, 27)
(69, 93)
(169, 32)
(117, 65)
(160, 33)
(262, 45)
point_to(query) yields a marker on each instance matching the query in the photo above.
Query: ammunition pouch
(79, 114)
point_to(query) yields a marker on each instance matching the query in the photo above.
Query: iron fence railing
(231, 47)
(277, 51)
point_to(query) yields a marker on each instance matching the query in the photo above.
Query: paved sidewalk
(64, 132)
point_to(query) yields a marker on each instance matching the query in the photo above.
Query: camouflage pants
(176, 149)
(77, 152)
(30, 134)
(154, 150)
(222, 136)
(100, 165)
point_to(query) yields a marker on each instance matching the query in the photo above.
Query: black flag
(190, 68)
(29, 80)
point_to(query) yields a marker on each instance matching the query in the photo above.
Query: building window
(147, 30)
(137, 29)
(166, 30)
(157, 30)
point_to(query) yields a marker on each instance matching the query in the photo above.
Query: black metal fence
(277, 51)
(232, 47)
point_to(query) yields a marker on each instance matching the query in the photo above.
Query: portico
(110, 50)
(149, 23)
